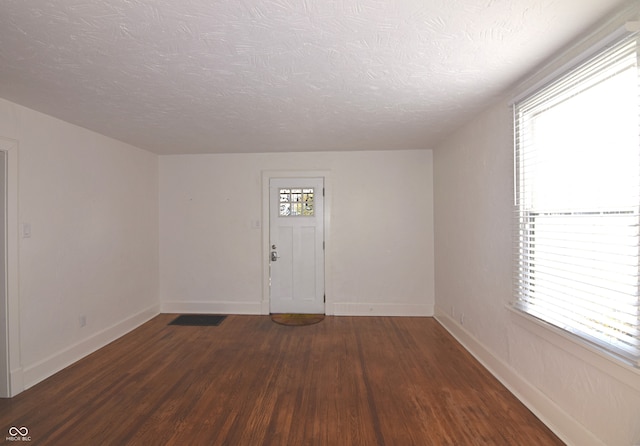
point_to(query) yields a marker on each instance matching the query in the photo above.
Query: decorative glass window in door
(296, 202)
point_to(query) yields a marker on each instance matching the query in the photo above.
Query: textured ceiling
(205, 76)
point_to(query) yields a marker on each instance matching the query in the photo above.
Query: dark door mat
(198, 320)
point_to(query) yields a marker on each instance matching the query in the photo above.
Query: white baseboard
(377, 309)
(16, 381)
(556, 419)
(33, 374)
(212, 307)
(262, 307)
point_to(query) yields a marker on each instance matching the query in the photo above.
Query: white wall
(585, 398)
(92, 203)
(379, 245)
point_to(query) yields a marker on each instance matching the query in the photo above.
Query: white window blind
(577, 178)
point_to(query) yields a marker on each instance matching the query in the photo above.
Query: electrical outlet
(462, 319)
(26, 230)
(82, 320)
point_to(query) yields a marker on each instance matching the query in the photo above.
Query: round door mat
(297, 319)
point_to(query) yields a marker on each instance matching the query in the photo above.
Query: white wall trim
(16, 377)
(382, 309)
(337, 309)
(41, 370)
(12, 261)
(212, 307)
(572, 344)
(561, 423)
(588, 45)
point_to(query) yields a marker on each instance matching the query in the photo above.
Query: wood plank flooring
(345, 381)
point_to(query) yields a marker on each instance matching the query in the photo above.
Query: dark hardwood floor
(346, 381)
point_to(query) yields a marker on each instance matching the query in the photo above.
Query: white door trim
(266, 178)
(11, 326)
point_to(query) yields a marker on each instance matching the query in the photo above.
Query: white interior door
(296, 242)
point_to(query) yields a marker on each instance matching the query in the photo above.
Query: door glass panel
(285, 209)
(308, 209)
(296, 202)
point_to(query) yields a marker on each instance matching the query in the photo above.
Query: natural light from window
(578, 183)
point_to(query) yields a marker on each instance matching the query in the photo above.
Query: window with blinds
(577, 184)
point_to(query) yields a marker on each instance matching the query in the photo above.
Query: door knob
(274, 256)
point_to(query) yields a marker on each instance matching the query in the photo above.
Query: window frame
(520, 234)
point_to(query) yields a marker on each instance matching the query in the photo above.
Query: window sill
(585, 351)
